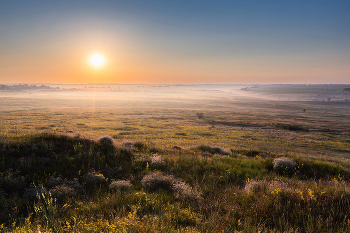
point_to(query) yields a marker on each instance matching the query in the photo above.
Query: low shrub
(284, 165)
(207, 154)
(124, 156)
(32, 193)
(199, 115)
(184, 217)
(255, 186)
(11, 182)
(92, 178)
(127, 144)
(264, 186)
(120, 185)
(291, 127)
(156, 160)
(140, 146)
(62, 191)
(54, 181)
(213, 149)
(106, 140)
(307, 169)
(185, 191)
(157, 180)
(73, 184)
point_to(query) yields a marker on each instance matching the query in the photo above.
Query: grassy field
(276, 160)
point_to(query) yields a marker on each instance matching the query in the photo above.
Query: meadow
(206, 158)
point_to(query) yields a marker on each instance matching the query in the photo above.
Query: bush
(283, 165)
(57, 181)
(106, 140)
(124, 156)
(184, 217)
(291, 127)
(34, 193)
(140, 146)
(93, 177)
(264, 186)
(318, 169)
(255, 186)
(200, 115)
(213, 149)
(127, 144)
(73, 184)
(62, 191)
(54, 181)
(12, 183)
(185, 191)
(157, 180)
(156, 160)
(121, 185)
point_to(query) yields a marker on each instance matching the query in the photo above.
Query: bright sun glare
(97, 60)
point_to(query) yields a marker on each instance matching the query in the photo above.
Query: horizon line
(176, 84)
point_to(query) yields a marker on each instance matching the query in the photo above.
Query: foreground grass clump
(70, 184)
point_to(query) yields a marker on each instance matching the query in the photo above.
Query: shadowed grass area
(60, 183)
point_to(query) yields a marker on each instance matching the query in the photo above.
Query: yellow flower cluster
(312, 195)
(276, 191)
(301, 194)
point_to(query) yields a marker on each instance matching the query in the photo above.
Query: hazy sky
(175, 41)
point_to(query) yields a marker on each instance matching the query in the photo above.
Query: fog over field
(24, 96)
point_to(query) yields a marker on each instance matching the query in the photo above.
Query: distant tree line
(20, 87)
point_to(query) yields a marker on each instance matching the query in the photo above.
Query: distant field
(233, 118)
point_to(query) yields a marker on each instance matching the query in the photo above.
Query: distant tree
(346, 90)
(200, 115)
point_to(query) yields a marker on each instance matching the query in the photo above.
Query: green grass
(236, 192)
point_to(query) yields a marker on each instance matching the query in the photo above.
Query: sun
(97, 60)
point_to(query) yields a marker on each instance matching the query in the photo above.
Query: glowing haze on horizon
(173, 42)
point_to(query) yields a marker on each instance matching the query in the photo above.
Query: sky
(175, 41)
